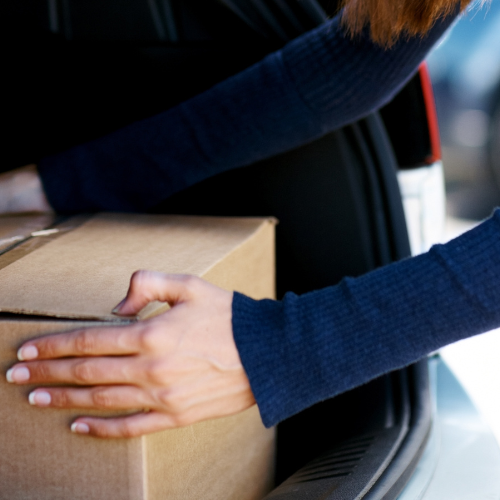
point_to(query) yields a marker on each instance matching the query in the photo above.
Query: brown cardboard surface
(230, 458)
(88, 269)
(243, 467)
(84, 273)
(40, 459)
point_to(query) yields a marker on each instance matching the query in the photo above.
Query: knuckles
(85, 343)
(125, 430)
(148, 338)
(139, 282)
(60, 399)
(83, 372)
(187, 280)
(102, 430)
(192, 284)
(174, 402)
(157, 373)
(102, 399)
(40, 372)
(47, 348)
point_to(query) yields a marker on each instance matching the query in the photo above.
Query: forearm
(309, 348)
(316, 84)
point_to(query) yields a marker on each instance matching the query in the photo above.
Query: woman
(215, 353)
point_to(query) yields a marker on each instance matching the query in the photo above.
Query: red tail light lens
(430, 108)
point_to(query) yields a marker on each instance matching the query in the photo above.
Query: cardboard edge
(150, 310)
(262, 221)
(27, 314)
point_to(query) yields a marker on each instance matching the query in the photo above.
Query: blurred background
(465, 71)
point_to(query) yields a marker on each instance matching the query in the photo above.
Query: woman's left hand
(178, 368)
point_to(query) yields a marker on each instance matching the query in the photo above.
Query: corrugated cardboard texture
(230, 458)
(243, 468)
(84, 273)
(39, 458)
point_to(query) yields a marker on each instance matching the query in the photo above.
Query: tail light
(430, 109)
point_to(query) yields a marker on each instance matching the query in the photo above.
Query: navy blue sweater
(302, 349)
(315, 84)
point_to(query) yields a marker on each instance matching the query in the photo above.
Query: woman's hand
(177, 368)
(21, 191)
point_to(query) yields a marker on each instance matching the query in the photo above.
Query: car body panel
(423, 194)
(462, 456)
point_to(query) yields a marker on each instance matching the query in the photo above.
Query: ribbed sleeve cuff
(260, 337)
(308, 348)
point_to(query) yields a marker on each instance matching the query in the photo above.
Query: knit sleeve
(304, 349)
(315, 84)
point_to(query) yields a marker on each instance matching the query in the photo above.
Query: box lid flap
(85, 272)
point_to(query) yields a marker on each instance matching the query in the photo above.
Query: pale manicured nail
(39, 398)
(27, 352)
(80, 428)
(20, 374)
(117, 308)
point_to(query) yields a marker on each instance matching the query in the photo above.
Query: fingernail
(19, 374)
(80, 428)
(27, 352)
(39, 398)
(119, 306)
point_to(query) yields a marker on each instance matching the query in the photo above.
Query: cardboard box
(74, 275)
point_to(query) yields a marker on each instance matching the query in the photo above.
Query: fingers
(147, 286)
(95, 398)
(85, 342)
(78, 371)
(183, 364)
(154, 421)
(124, 427)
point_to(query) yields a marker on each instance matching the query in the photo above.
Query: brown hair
(390, 19)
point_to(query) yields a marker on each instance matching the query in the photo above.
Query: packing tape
(24, 245)
(12, 239)
(19, 237)
(44, 232)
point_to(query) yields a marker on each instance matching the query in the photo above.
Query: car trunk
(337, 198)
(340, 214)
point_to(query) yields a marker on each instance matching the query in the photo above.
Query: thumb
(148, 286)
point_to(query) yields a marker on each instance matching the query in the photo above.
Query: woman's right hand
(181, 366)
(21, 191)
